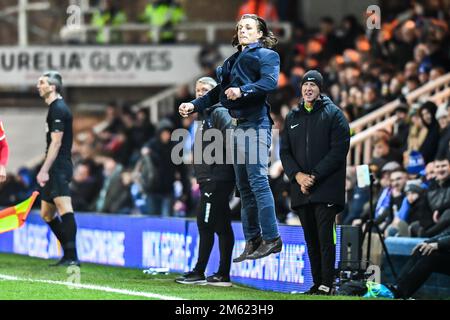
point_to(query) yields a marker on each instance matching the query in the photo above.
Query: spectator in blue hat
(424, 73)
(415, 165)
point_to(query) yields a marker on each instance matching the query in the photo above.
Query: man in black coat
(430, 145)
(217, 180)
(438, 197)
(314, 147)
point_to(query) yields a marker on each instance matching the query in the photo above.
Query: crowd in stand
(123, 165)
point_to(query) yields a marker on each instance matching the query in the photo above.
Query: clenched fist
(233, 93)
(185, 108)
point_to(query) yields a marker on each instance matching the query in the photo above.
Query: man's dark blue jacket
(255, 71)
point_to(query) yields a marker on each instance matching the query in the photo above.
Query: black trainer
(65, 262)
(219, 280)
(192, 277)
(250, 247)
(324, 291)
(313, 290)
(266, 248)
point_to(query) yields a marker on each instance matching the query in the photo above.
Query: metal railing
(210, 30)
(18, 15)
(361, 143)
(162, 103)
(437, 91)
(419, 95)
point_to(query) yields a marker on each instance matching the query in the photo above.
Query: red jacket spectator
(4, 152)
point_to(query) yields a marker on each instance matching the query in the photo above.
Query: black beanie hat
(313, 76)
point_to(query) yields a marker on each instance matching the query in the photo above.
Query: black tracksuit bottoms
(318, 222)
(214, 216)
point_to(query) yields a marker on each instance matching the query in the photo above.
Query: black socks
(55, 226)
(69, 227)
(65, 230)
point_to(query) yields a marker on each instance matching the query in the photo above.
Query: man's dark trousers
(318, 223)
(418, 268)
(214, 216)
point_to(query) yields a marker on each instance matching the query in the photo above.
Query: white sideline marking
(92, 287)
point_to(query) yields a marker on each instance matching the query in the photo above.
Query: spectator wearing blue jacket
(245, 80)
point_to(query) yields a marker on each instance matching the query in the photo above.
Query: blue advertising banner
(142, 242)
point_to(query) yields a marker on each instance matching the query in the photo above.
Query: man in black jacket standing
(217, 182)
(314, 147)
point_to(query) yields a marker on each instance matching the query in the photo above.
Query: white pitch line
(92, 287)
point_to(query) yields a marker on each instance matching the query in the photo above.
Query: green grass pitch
(23, 277)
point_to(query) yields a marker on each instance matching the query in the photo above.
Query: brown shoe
(250, 247)
(266, 248)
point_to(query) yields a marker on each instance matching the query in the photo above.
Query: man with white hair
(216, 185)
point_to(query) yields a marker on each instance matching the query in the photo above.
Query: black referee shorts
(58, 184)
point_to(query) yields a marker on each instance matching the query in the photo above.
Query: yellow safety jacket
(102, 19)
(165, 17)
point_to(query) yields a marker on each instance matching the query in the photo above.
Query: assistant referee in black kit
(56, 172)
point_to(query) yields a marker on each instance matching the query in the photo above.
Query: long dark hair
(268, 40)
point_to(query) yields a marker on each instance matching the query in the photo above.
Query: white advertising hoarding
(102, 65)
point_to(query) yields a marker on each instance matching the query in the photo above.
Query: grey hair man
(56, 172)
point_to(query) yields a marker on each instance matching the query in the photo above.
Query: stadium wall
(144, 242)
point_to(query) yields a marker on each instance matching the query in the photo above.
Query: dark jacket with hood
(430, 145)
(216, 117)
(316, 143)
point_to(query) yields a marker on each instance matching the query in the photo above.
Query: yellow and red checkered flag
(14, 217)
